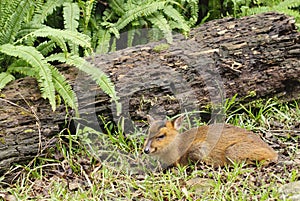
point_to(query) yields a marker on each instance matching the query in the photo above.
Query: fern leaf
(26, 29)
(13, 24)
(46, 47)
(103, 41)
(61, 43)
(177, 17)
(72, 36)
(5, 78)
(289, 4)
(87, 9)
(117, 6)
(63, 88)
(161, 23)
(22, 67)
(96, 74)
(142, 10)
(130, 37)
(46, 10)
(36, 60)
(56, 57)
(71, 16)
(194, 9)
(27, 71)
(7, 9)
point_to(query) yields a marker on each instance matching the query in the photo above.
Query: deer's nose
(146, 150)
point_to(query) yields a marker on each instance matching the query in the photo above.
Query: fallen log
(255, 56)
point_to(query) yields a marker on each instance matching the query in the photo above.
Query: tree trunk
(254, 57)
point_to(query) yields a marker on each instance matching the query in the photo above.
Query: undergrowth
(93, 165)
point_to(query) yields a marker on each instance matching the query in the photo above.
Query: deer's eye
(160, 137)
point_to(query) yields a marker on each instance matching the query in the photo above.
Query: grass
(94, 166)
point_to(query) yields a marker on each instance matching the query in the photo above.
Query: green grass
(94, 166)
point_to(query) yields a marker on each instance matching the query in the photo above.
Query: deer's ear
(150, 119)
(177, 123)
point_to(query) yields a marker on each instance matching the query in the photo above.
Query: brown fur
(216, 144)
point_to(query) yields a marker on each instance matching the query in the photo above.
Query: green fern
(96, 74)
(103, 37)
(71, 18)
(162, 24)
(288, 7)
(23, 68)
(63, 88)
(132, 16)
(75, 37)
(7, 9)
(117, 6)
(20, 55)
(178, 18)
(193, 12)
(36, 60)
(59, 81)
(46, 47)
(14, 22)
(87, 9)
(47, 9)
(60, 42)
(144, 10)
(5, 78)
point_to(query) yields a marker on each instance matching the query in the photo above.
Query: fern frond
(61, 43)
(289, 4)
(130, 37)
(22, 67)
(63, 88)
(36, 60)
(87, 9)
(159, 21)
(71, 16)
(103, 41)
(177, 17)
(117, 6)
(46, 47)
(56, 57)
(96, 74)
(142, 10)
(5, 78)
(194, 9)
(7, 9)
(72, 36)
(111, 28)
(46, 10)
(27, 28)
(13, 24)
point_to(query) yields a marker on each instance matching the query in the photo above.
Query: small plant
(29, 47)
(133, 16)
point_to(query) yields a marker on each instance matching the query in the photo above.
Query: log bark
(256, 55)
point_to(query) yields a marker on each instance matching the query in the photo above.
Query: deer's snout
(147, 147)
(146, 150)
